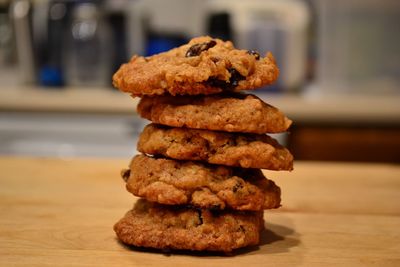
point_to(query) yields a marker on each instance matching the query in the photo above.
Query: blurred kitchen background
(339, 61)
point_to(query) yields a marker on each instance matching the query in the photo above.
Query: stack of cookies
(199, 176)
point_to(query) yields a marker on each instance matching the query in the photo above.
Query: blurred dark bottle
(21, 16)
(219, 25)
(6, 36)
(50, 22)
(8, 66)
(88, 48)
(69, 42)
(116, 18)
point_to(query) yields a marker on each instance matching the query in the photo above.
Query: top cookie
(203, 66)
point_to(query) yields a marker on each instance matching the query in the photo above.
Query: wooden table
(58, 212)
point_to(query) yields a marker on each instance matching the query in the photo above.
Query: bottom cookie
(175, 227)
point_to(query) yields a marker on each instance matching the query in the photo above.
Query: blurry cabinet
(345, 142)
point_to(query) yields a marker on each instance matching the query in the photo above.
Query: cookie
(203, 66)
(215, 187)
(170, 227)
(229, 113)
(231, 149)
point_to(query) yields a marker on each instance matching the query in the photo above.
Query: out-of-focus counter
(336, 127)
(92, 100)
(384, 109)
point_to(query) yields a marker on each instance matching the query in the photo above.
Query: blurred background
(339, 61)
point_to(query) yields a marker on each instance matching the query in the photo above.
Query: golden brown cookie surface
(203, 66)
(230, 149)
(205, 186)
(228, 113)
(170, 227)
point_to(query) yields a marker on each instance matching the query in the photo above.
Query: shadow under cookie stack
(199, 176)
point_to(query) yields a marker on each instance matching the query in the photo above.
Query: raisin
(231, 84)
(214, 82)
(215, 59)
(236, 187)
(215, 207)
(200, 216)
(126, 174)
(254, 53)
(215, 213)
(235, 77)
(196, 49)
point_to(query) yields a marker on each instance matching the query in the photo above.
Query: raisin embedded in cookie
(205, 186)
(228, 113)
(203, 66)
(230, 149)
(175, 227)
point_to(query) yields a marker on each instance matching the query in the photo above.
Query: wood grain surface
(60, 212)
